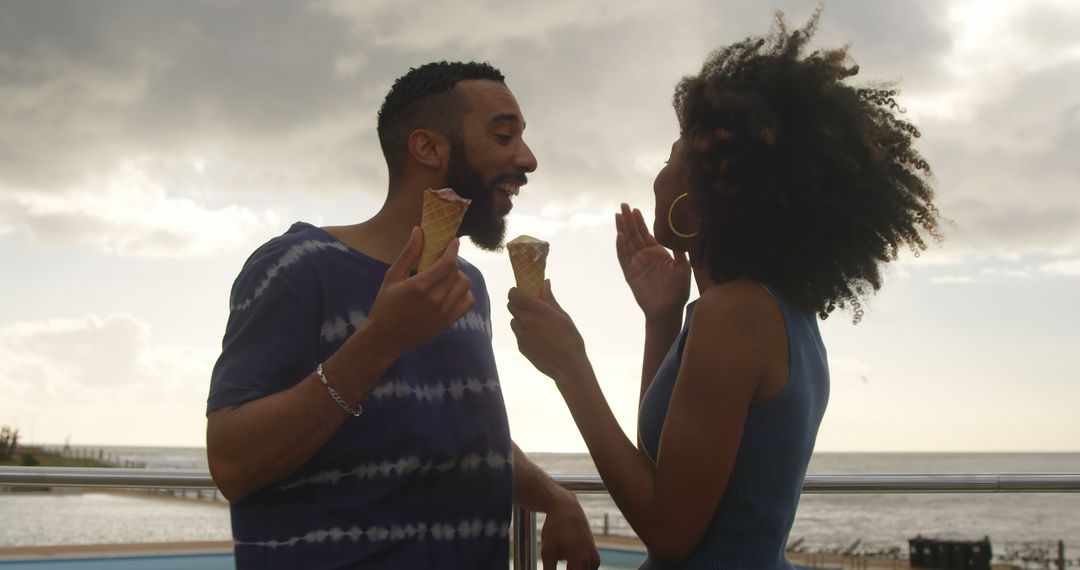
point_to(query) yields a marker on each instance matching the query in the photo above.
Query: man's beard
(484, 227)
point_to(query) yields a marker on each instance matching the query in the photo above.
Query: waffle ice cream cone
(528, 256)
(443, 212)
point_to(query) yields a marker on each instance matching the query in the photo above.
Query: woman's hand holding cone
(546, 334)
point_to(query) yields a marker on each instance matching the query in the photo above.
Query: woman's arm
(660, 282)
(660, 334)
(669, 505)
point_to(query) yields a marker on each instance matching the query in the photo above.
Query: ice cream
(443, 212)
(528, 256)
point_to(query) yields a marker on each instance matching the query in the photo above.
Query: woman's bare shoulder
(739, 302)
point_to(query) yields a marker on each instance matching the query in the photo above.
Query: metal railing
(524, 522)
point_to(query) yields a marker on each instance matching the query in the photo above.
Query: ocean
(826, 523)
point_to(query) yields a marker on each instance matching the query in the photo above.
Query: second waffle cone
(528, 256)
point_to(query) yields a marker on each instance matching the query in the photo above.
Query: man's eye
(503, 138)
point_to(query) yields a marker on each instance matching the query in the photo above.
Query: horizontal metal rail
(524, 542)
(851, 483)
(856, 483)
(124, 478)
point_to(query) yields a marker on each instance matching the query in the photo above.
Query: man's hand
(409, 311)
(567, 536)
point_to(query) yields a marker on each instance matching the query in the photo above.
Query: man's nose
(525, 159)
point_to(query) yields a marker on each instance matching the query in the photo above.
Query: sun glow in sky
(147, 148)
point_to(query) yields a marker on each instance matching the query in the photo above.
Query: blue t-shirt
(423, 478)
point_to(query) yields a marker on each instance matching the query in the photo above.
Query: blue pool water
(161, 562)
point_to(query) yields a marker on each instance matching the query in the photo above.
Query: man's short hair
(424, 98)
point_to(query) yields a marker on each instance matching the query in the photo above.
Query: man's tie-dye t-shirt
(423, 478)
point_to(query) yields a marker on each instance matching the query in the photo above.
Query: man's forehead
(490, 101)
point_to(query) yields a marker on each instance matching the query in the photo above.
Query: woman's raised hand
(546, 335)
(659, 280)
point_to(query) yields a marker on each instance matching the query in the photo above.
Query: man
(355, 417)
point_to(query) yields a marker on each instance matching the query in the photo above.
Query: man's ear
(429, 148)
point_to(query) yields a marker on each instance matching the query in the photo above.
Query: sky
(147, 148)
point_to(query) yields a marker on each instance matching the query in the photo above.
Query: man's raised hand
(410, 310)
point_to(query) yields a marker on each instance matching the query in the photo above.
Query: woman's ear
(429, 148)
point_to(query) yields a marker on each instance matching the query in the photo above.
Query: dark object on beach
(950, 554)
(9, 442)
(922, 553)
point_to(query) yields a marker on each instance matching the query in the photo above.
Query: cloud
(61, 372)
(478, 23)
(253, 84)
(1027, 269)
(1003, 135)
(278, 98)
(103, 378)
(903, 42)
(129, 214)
(90, 356)
(1022, 224)
(138, 129)
(952, 279)
(1066, 267)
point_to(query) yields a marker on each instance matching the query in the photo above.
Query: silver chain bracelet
(337, 397)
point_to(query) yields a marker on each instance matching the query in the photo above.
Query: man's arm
(251, 445)
(566, 534)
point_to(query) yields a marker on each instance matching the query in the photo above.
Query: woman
(789, 189)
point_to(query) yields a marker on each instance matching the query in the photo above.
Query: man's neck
(385, 234)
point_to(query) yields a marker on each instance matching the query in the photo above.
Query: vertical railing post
(524, 545)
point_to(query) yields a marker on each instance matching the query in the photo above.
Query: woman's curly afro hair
(803, 181)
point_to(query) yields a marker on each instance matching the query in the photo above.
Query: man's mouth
(508, 188)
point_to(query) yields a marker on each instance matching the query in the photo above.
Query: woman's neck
(703, 278)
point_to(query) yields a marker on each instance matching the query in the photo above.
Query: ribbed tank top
(750, 527)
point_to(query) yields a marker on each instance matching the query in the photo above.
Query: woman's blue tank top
(750, 527)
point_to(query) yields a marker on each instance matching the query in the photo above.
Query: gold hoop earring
(671, 225)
